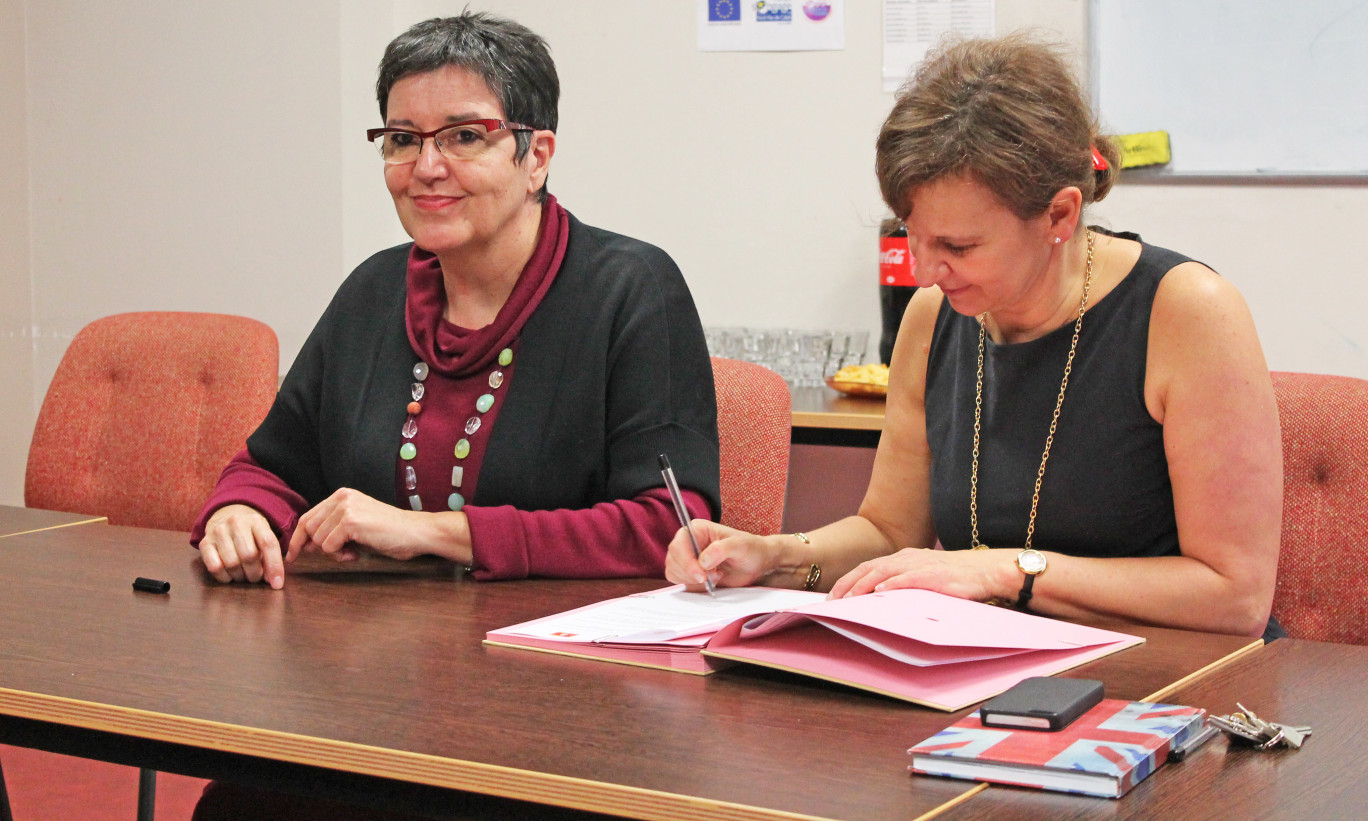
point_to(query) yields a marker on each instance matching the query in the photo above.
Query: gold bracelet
(814, 575)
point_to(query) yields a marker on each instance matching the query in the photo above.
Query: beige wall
(189, 161)
(1291, 250)
(16, 316)
(195, 156)
(183, 156)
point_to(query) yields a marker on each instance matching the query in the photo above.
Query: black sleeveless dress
(1106, 491)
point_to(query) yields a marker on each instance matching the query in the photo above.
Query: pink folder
(915, 645)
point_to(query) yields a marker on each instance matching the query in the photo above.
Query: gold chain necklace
(1054, 421)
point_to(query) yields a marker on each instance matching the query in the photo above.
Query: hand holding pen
(682, 512)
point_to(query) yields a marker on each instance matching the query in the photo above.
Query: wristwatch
(1031, 562)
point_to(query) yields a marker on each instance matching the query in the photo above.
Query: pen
(682, 513)
(1202, 736)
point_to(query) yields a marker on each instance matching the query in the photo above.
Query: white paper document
(661, 615)
(912, 27)
(771, 25)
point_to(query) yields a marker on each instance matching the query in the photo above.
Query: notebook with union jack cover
(1105, 752)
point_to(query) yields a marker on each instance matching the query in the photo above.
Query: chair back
(754, 419)
(144, 411)
(1322, 590)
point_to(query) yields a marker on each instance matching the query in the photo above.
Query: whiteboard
(1243, 87)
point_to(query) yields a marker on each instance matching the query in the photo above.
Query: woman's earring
(1056, 240)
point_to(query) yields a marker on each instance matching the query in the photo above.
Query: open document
(659, 628)
(914, 645)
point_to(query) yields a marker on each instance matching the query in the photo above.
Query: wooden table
(17, 520)
(822, 416)
(1296, 682)
(375, 689)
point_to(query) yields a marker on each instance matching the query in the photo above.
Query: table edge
(362, 759)
(837, 420)
(1254, 646)
(94, 520)
(954, 802)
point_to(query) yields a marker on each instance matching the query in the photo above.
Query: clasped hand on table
(239, 544)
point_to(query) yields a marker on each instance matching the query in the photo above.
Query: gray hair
(512, 60)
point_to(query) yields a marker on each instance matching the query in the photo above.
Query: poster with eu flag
(771, 25)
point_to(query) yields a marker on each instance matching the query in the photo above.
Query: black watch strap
(1023, 601)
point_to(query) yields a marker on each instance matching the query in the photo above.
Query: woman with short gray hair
(497, 391)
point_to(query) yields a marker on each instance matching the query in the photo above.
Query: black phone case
(1041, 703)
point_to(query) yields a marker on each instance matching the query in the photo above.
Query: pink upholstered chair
(142, 414)
(144, 411)
(1322, 591)
(754, 419)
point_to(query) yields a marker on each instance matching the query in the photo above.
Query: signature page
(670, 615)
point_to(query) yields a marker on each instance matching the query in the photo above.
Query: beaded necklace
(408, 451)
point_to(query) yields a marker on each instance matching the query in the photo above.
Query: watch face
(1031, 561)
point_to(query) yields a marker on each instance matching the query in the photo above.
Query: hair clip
(1099, 161)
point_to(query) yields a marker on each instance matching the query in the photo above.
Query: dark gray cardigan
(612, 370)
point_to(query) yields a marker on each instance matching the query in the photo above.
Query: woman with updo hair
(1083, 421)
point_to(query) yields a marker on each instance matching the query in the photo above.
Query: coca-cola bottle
(897, 282)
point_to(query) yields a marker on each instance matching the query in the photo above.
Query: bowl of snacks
(860, 380)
